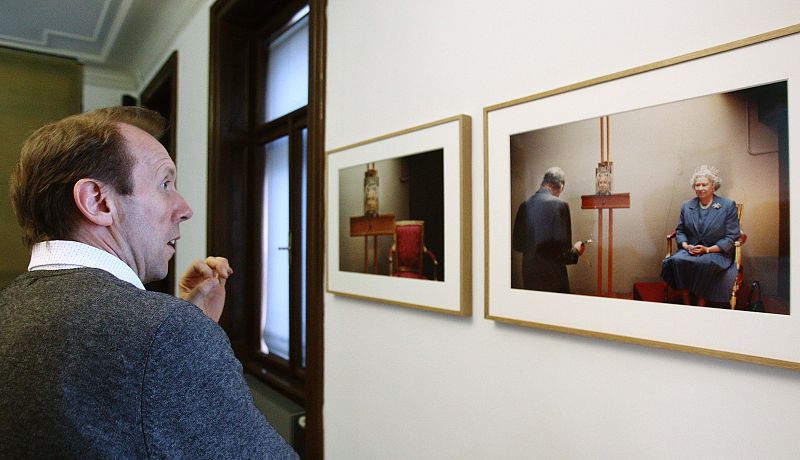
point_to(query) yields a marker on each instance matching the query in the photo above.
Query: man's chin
(155, 277)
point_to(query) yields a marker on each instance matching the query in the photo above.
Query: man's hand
(203, 284)
(579, 246)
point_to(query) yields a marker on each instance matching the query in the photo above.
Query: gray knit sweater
(92, 367)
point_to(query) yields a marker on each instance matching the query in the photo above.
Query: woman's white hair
(710, 172)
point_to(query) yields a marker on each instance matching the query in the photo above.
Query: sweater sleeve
(195, 402)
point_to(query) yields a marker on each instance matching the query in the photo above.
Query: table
(374, 226)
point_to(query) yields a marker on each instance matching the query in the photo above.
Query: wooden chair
(737, 258)
(406, 256)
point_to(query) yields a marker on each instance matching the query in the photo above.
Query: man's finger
(201, 267)
(220, 265)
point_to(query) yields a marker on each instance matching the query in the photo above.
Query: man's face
(146, 223)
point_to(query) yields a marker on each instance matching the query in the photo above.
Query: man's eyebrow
(168, 170)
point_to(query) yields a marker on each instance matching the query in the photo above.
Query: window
(265, 207)
(286, 74)
(280, 147)
(281, 247)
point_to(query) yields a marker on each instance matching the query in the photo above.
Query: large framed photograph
(398, 218)
(653, 205)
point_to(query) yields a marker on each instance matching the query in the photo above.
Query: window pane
(287, 71)
(275, 241)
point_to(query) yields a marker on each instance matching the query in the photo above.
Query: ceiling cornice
(121, 42)
(119, 79)
(85, 33)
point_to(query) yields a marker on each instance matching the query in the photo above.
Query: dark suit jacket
(543, 233)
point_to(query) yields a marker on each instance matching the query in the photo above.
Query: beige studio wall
(401, 383)
(393, 199)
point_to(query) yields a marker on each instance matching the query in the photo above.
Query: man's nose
(183, 210)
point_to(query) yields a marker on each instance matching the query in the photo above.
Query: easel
(601, 202)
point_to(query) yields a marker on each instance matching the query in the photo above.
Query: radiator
(285, 415)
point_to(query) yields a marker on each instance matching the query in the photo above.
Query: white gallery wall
(402, 383)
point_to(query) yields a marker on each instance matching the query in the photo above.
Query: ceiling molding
(85, 33)
(144, 53)
(119, 21)
(120, 41)
(119, 79)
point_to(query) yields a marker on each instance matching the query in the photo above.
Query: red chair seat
(406, 256)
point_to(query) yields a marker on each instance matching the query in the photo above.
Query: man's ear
(93, 201)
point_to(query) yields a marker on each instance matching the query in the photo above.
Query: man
(91, 364)
(543, 233)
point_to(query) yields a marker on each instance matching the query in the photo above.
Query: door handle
(288, 248)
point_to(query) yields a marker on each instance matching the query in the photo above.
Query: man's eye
(165, 184)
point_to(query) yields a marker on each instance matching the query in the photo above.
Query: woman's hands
(699, 249)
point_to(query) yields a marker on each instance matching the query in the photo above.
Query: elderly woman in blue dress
(704, 265)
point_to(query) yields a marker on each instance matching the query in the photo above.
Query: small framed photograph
(398, 218)
(653, 205)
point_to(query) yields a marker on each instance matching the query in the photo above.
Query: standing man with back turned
(91, 364)
(543, 233)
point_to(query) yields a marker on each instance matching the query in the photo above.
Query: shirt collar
(60, 254)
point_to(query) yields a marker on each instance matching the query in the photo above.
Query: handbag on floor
(757, 304)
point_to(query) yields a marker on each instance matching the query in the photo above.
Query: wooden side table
(373, 226)
(610, 202)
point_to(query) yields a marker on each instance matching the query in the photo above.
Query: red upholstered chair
(406, 256)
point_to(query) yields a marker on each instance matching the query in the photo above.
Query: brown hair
(57, 155)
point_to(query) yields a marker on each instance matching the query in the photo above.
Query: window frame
(290, 373)
(235, 26)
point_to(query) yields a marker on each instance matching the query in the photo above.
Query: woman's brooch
(716, 205)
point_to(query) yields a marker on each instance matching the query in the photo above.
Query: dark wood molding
(315, 245)
(233, 134)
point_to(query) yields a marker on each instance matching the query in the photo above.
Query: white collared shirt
(61, 255)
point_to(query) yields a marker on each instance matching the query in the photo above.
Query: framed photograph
(653, 205)
(398, 218)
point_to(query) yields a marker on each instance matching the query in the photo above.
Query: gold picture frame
(398, 211)
(714, 72)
